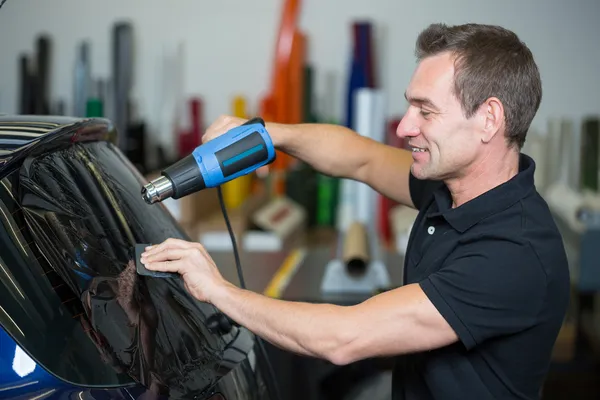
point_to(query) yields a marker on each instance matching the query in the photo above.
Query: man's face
(444, 142)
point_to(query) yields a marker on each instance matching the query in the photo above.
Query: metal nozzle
(157, 190)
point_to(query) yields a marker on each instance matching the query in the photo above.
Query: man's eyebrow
(421, 101)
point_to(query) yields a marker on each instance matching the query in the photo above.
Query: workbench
(259, 268)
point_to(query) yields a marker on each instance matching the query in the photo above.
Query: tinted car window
(68, 288)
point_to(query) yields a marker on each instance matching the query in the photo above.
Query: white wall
(230, 44)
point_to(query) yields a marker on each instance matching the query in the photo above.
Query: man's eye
(425, 113)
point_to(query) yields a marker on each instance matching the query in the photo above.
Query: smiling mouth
(418, 149)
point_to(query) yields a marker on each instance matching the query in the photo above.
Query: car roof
(25, 135)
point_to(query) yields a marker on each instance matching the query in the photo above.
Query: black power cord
(238, 266)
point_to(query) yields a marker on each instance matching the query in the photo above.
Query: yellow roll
(235, 192)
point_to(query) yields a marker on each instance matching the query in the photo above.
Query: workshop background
(163, 71)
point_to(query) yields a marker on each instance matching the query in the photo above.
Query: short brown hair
(490, 62)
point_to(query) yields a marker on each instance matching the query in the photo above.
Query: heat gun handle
(238, 152)
(255, 120)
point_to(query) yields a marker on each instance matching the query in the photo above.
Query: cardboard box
(210, 229)
(279, 225)
(254, 226)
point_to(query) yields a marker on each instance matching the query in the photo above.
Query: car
(76, 320)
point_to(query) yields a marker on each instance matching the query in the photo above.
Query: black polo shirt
(496, 270)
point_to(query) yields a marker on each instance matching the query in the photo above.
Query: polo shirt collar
(492, 202)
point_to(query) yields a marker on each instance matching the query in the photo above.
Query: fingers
(220, 126)
(225, 123)
(161, 257)
(167, 254)
(169, 260)
(177, 266)
(170, 243)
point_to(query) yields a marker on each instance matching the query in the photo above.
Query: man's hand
(221, 125)
(190, 260)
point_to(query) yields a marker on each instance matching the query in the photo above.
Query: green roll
(94, 108)
(327, 199)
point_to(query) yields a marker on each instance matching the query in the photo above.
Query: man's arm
(338, 151)
(399, 321)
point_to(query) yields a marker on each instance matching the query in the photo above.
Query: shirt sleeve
(496, 290)
(421, 190)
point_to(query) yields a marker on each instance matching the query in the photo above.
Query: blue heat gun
(237, 152)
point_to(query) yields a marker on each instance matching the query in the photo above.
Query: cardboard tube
(356, 249)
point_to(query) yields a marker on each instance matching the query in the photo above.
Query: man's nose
(408, 127)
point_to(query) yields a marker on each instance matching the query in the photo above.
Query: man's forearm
(338, 151)
(331, 149)
(316, 330)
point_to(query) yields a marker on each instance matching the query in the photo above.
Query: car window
(69, 290)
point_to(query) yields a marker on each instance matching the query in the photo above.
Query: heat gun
(237, 152)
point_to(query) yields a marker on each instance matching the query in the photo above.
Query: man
(486, 277)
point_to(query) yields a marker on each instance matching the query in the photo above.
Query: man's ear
(492, 115)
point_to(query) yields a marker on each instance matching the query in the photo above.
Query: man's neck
(485, 174)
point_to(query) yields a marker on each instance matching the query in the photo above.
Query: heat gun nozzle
(157, 190)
